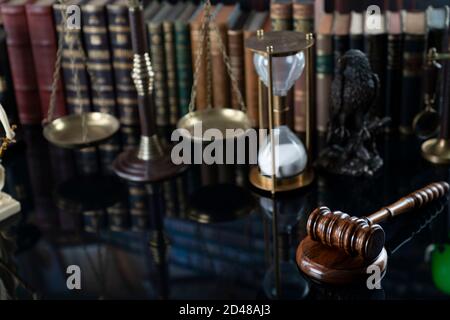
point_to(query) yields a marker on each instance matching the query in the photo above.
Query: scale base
(8, 206)
(436, 151)
(129, 167)
(287, 184)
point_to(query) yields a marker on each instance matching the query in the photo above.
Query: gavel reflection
(364, 236)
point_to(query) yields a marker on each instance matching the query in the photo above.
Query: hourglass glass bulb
(290, 154)
(286, 70)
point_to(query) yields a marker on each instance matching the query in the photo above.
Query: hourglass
(284, 160)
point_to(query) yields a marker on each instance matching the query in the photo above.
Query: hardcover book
(375, 47)
(122, 61)
(356, 30)
(324, 72)
(158, 58)
(171, 68)
(236, 54)
(21, 61)
(303, 14)
(184, 58)
(392, 101)
(41, 29)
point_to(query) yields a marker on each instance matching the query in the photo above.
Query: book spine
(393, 79)
(156, 34)
(220, 78)
(76, 81)
(324, 74)
(171, 72)
(413, 58)
(303, 14)
(22, 65)
(96, 39)
(7, 98)
(375, 47)
(122, 57)
(236, 49)
(42, 33)
(184, 65)
(281, 16)
(251, 84)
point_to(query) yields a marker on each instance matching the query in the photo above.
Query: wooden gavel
(363, 236)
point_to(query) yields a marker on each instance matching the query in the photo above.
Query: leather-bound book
(392, 99)
(281, 14)
(7, 97)
(96, 40)
(171, 67)
(220, 78)
(375, 47)
(414, 29)
(319, 11)
(236, 53)
(255, 22)
(122, 61)
(21, 60)
(184, 58)
(324, 71)
(356, 30)
(158, 58)
(41, 28)
(341, 38)
(76, 81)
(303, 15)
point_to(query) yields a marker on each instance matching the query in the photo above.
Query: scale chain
(226, 60)
(205, 22)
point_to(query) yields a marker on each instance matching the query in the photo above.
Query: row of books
(396, 48)
(30, 41)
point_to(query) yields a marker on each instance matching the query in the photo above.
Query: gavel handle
(412, 201)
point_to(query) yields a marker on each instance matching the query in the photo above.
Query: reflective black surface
(204, 235)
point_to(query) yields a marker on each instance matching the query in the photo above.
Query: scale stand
(151, 162)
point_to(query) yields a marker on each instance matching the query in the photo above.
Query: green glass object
(440, 266)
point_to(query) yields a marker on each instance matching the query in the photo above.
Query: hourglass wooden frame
(283, 44)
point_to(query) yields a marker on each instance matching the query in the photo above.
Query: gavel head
(355, 236)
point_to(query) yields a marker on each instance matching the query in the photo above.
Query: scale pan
(66, 132)
(220, 119)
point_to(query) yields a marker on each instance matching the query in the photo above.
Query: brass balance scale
(213, 118)
(83, 129)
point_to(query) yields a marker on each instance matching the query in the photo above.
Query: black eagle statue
(351, 147)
